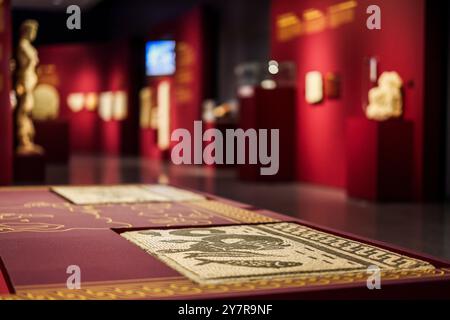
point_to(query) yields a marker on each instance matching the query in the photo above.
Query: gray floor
(421, 227)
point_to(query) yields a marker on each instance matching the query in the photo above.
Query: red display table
(43, 234)
(53, 136)
(271, 109)
(379, 159)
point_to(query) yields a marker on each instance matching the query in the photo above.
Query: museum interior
(92, 93)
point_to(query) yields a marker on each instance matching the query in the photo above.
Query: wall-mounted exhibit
(46, 103)
(332, 86)
(385, 100)
(314, 87)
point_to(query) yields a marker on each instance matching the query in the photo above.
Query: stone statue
(26, 80)
(385, 101)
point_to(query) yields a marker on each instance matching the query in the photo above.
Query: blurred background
(110, 94)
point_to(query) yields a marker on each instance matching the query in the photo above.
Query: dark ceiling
(53, 5)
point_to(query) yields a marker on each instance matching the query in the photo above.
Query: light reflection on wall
(290, 25)
(164, 115)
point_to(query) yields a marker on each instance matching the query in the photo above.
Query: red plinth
(379, 159)
(53, 136)
(149, 144)
(29, 169)
(222, 127)
(271, 109)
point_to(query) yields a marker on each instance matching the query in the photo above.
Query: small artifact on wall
(208, 111)
(154, 121)
(75, 101)
(26, 81)
(146, 102)
(386, 101)
(163, 98)
(373, 69)
(48, 74)
(119, 107)
(332, 86)
(46, 103)
(79, 101)
(105, 109)
(91, 101)
(113, 106)
(314, 87)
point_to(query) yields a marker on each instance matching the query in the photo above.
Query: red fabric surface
(104, 256)
(3, 286)
(6, 128)
(75, 240)
(398, 46)
(4, 289)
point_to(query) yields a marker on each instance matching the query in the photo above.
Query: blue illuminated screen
(160, 58)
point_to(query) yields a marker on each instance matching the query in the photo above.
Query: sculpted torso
(28, 60)
(27, 79)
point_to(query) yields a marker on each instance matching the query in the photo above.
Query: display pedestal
(379, 159)
(149, 147)
(29, 169)
(271, 109)
(53, 136)
(222, 127)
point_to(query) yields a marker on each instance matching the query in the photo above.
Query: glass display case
(268, 75)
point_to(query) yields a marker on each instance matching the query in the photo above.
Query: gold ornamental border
(229, 212)
(179, 288)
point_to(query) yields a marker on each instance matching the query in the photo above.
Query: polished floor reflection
(421, 227)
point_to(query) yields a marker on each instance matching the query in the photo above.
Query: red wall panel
(85, 69)
(115, 77)
(77, 70)
(187, 32)
(6, 130)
